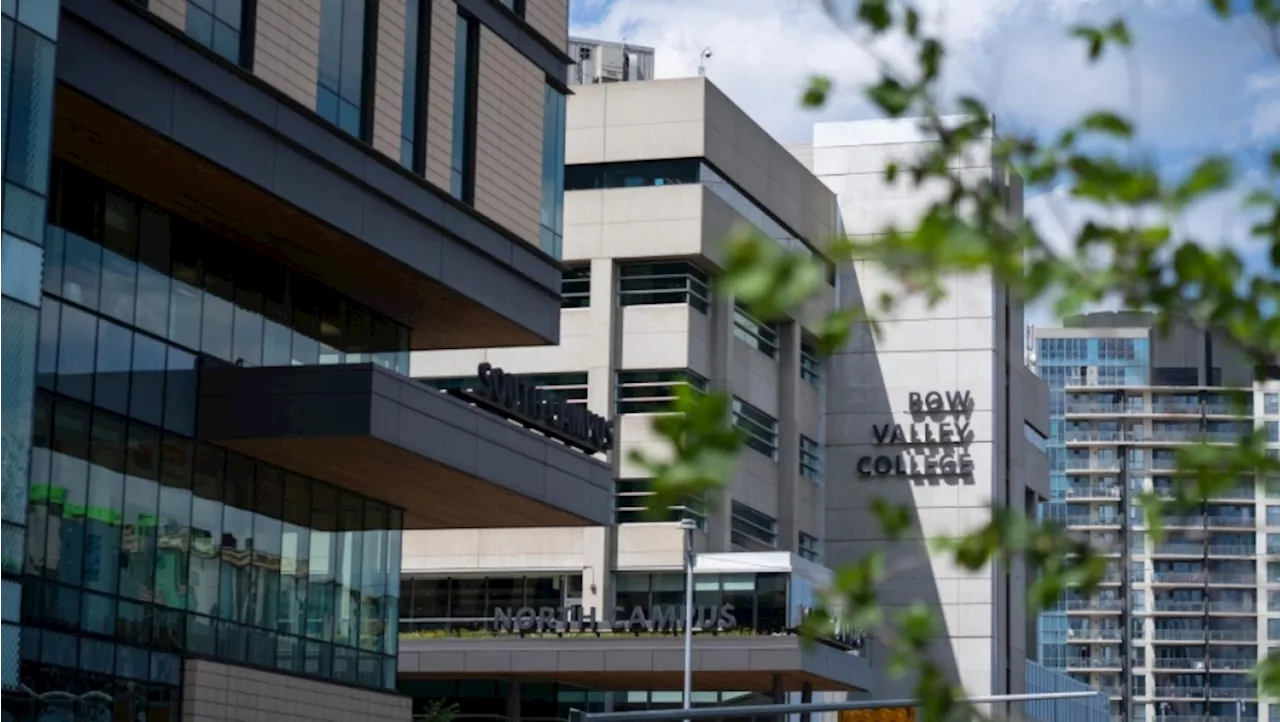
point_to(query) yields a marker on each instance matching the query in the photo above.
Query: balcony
(1079, 636)
(1175, 408)
(1171, 692)
(1233, 635)
(1184, 522)
(1177, 549)
(1109, 465)
(1241, 607)
(1179, 635)
(1093, 491)
(1241, 664)
(1232, 550)
(1093, 519)
(1233, 578)
(1159, 577)
(1178, 663)
(1094, 663)
(1177, 606)
(1240, 493)
(1233, 692)
(1094, 605)
(1095, 407)
(1231, 522)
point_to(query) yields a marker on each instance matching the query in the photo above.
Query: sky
(1194, 85)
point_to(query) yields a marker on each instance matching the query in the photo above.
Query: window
(568, 387)
(515, 6)
(221, 26)
(761, 429)
(630, 504)
(751, 529)
(466, 68)
(1273, 516)
(575, 287)
(413, 116)
(1271, 404)
(810, 459)
(762, 335)
(643, 284)
(649, 392)
(808, 546)
(345, 66)
(1038, 440)
(553, 133)
(1272, 430)
(810, 365)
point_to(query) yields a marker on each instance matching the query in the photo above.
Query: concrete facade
(968, 346)
(216, 692)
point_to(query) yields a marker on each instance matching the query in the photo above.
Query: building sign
(658, 618)
(934, 444)
(509, 396)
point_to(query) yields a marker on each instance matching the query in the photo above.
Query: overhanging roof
(625, 662)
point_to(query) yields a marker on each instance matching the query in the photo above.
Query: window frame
(742, 412)
(462, 180)
(575, 274)
(807, 546)
(765, 336)
(248, 25)
(696, 290)
(811, 460)
(812, 371)
(694, 508)
(768, 526)
(421, 87)
(679, 377)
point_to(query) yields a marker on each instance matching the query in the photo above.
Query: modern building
(1195, 609)
(606, 61)
(659, 173)
(937, 413)
(226, 227)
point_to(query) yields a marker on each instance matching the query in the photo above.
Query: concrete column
(721, 334)
(605, 347)
(789, 436)
(513, 700)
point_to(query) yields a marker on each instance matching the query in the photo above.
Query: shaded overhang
(625, 662)
(447, 463)
(151, 111)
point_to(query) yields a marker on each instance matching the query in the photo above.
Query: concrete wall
(389, 67)
(971, 342)
(213, 691)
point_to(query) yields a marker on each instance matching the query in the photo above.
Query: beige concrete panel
(754, 377)
(635, 433)
(173, 12)
(477, 551)
(809, 410)
(655, 102)
(585, 108)
(653, 140)
(551, 19)
(388, 89)
(444, 23)
(217, 691)
(287, 47)
(655, 337)
(509, 110)
(755, 483)
(650, 546)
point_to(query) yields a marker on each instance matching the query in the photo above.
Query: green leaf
(1118, 32)
(815, 95)
(1108, 123)
(875, 13)
(891, 96)
(912, 22)
(1210, 175)
(1093, 37)
(1221, 7)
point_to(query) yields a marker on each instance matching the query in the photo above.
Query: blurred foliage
(1128, 255)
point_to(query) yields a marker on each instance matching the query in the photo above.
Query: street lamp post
(688, 526)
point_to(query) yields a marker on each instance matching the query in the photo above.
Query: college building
(227, 225)
(938, 413)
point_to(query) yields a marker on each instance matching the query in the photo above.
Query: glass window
(466, 67)
(76, 353)
(810, 459)
(146, 388)
(173, 528)
(104, 510)
(323, 557)
(808, 546)
(631, 503)
(761, 429)
(1271, 430)
(153, 273)
(81, 271)
(295, 549)
(659, 283)
(22, 266)
(141, 506)
(180, 392)
(235, 582)
(1271, 404)
(218, 24)
(413, 119)
(751, 529)
(216, 324)
(341, 84)
(67, 495)
(31, 58)
(347, 591)
(810, 365)
(646, 392)
(575, 287)
(268, 536)
(115, 359)
(553, 140)
(759, 334)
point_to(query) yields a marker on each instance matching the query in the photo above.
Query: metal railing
(779, 711)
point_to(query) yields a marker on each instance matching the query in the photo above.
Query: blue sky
(1194, 84)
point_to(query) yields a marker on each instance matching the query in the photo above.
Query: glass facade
(417, 33)
(29, 44)
(553, 133)
(144, 544)
(220, 26)
(466, 70)
(437, 606)
(341, 84)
